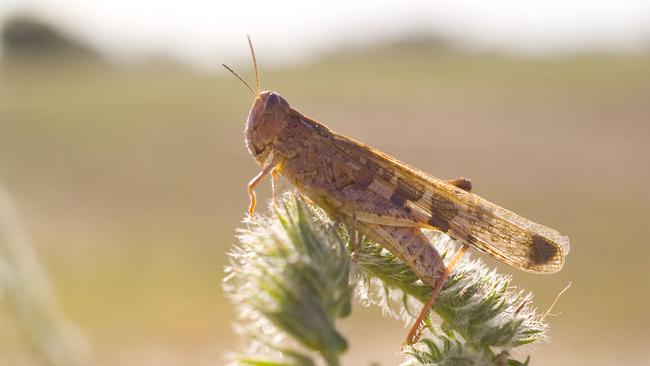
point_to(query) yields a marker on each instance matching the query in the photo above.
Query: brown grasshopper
(387, 200)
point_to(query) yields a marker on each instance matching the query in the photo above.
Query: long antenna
(257, 73)
(241, 79)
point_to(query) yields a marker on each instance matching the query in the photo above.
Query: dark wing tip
(545, 256)
(542, 250)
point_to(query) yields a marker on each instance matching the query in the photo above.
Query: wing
(464, 216)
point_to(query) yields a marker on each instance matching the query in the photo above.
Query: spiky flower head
(293, 274)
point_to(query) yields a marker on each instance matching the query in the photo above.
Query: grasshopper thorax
(267, 118)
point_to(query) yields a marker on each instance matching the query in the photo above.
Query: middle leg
(462, 183)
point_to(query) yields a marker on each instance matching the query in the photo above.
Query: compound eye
(272, 100)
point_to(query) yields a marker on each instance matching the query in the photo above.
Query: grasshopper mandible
(387, 200)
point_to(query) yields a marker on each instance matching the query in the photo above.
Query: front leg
(254, 182)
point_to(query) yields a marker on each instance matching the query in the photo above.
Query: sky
(200, 32)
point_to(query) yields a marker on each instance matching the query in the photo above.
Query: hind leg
(408, 244)
(416, 330)
(411, 246)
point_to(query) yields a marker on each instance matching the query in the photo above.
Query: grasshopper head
(268, 117)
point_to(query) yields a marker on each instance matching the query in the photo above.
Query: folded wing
(464, 216)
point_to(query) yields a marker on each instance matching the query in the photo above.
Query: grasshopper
(387, 200)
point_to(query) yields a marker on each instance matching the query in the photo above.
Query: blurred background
(122, 150)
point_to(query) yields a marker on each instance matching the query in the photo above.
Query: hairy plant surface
(294, 273)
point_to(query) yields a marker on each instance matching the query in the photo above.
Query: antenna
(257, 73)
(241, 79)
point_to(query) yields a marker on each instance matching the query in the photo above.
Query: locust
(387, 200)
